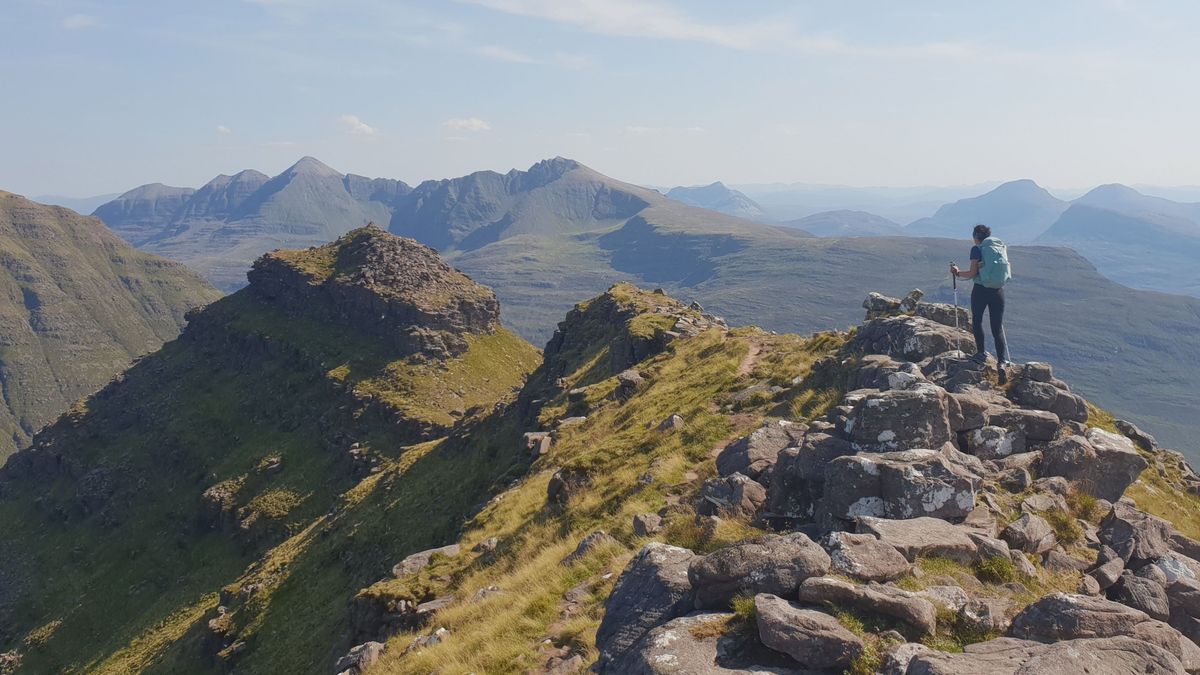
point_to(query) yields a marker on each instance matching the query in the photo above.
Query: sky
(104, 95)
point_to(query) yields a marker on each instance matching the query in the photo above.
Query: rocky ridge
(1008, 477)
(396, 288)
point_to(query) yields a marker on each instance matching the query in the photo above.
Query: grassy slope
(200, 413)
(618, 444)
(77, 304)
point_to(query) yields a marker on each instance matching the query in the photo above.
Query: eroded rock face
(753, 454)
(769, 564)
(1007, 656)
(813, 639)
(1136, 536)
(990, 442)
(900, 419)
(922, 537)
(653, 589)
(898, 485)
(1060, 616)
(873, 598)
(734, 496)
(911, 338)
(386, 285)
(862, 556)
(1030, 533)
(798, 479)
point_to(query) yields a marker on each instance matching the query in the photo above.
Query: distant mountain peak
(312, 166)
(549, 170)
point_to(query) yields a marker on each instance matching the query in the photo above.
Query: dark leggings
(991, 299)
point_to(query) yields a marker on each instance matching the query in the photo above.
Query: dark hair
(981, 232)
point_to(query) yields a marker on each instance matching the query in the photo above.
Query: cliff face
(387, 286)
(77, 305)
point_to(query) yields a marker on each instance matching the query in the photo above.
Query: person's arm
(969, 274)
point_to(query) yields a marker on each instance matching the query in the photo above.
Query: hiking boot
(980, 357)
(1002, 375)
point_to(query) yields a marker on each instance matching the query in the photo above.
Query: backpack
(995, 271)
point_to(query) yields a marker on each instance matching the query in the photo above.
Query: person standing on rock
(990, 270)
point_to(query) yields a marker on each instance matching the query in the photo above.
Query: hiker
(990, 270)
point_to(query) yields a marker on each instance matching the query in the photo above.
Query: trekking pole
(954, 284)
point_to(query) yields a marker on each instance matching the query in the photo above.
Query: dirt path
(751, 358)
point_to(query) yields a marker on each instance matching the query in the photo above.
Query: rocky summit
(394, 287)
(351, 467)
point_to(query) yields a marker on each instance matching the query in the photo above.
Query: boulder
(1022, 564)
(1007, 656)
(565, 484)
(692, 644)
(1108, 573)
(968, 410)
(878, 304)
(537, 443)
(653, 589)
(864, 557)
(734, 496)
(1136, 536)
(1038, 371)
(419, 561)
(957, 371)
(900, 419)
(909, 303)
(645, 524)
(586, 545)
(897, 485)
(990, 442)
(1175, 567)
(1038, 425)
(947, 598)
(758, 451)
(909, 338)
(360, 658)
(945, 314)
(988, 547)
(1140, 438)
(1142, 594)
(985, 615)
(671, 423)
(1183, 599)
(922, 537)
(813, 639)
(1062, 616)
(1116, 465)
(1045, 396)
(1029, 533)
(798, 479)
(878, 599)
(768, 564)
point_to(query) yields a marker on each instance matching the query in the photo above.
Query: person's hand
(954, 270)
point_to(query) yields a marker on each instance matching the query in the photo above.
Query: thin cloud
(224, 130)
(504, 54)
(642, 130)
(79, 22)
(472, 124)
(355, 126)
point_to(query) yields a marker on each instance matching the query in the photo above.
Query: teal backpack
(995, 271)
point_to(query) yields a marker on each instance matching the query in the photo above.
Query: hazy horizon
(648, 91)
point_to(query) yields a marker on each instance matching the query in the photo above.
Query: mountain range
(221, 227)
(544, 237)
(78, 306)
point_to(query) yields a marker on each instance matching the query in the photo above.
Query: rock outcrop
(930, 455)
(385, 285)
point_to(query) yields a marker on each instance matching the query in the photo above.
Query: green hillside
(77, 306)
(228, 452)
